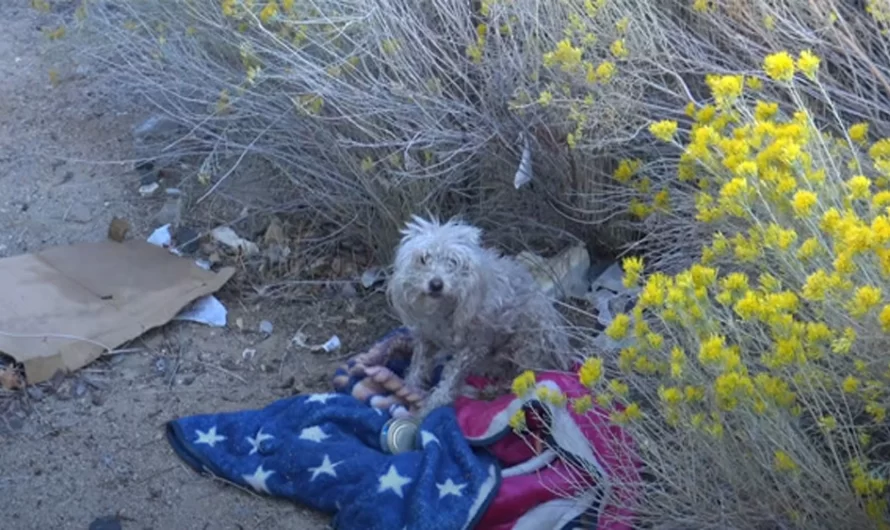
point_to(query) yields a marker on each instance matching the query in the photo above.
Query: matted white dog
(461, 299)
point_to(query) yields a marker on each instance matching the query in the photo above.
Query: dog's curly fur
(461, 299)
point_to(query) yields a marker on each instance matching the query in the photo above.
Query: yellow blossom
(764, 111)
(858, 132)
(524, 383)
(860, 187)
(850, 384)
(664, 130)
(783, 462)
(779, 66)
(803, 202)
(808, 63)
(633, 268)
(865, 298)
(884, 319)
(582, 405)
(545, 98)
(618, 388)
(591, 371)
(269, 12)
(605, 71)
(618, 49)
(566, 56)
(808, 248)
(517, 420)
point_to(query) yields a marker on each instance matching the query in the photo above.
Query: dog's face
(436, 265)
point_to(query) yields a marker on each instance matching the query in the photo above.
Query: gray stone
(155, 125)
(266, 327)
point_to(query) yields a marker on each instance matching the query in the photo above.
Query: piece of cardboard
(106, 292)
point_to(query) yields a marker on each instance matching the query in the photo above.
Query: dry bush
(377, 109)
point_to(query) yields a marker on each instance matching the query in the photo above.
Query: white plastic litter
(524, 172)
(332, 344)
(207, 310)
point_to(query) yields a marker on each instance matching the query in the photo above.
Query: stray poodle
(484, 310)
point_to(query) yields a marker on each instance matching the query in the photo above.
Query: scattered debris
(161, 237)
(206, 310)
(372, 277)
(186, 240)
(564, 275)
(266, 327)
(170, 212)
(332, 344)
(147, 190)
(118, 229)
(226, 236)
(524, 172)
(248, 354)
(80, 301)
(609, 297)
(299, 340)
(80, 389)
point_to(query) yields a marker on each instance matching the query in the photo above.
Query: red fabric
(612, 447)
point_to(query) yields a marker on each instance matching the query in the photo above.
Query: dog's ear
(418, 226)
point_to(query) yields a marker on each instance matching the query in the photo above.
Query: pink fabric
(612, 448)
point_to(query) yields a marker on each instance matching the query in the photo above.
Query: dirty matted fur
(462, 299)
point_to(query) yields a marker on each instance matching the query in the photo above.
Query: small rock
(106, 523)
(266, 327)
(80, 388)
(226, 236)
(161, 365)
(288, 383)
(35, 393)
(187, 380)
(79, 213)
(153, 126)
(117, 230)
(97, 399)
(248, 354)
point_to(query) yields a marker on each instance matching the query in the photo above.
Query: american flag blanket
(564, 471)
(323, 451)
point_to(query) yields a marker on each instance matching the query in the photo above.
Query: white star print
(257, 481)
(313, 434)
(450, 488)
(255, 442)
(428, 437)
(393, 481)
(325, 468)
(320, 398)
(210, 437)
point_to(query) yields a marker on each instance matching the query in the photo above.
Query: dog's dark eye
(422, 259)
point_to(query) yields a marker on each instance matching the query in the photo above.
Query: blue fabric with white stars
(323, 451)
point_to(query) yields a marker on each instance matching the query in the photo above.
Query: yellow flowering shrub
(768, 358)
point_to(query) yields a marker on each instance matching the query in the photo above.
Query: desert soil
(91, 445)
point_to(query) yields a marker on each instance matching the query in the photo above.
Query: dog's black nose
(436, 285)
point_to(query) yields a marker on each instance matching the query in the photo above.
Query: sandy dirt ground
(91, 446)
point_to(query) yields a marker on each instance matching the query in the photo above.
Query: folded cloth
(323, 451)
(565, 470)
